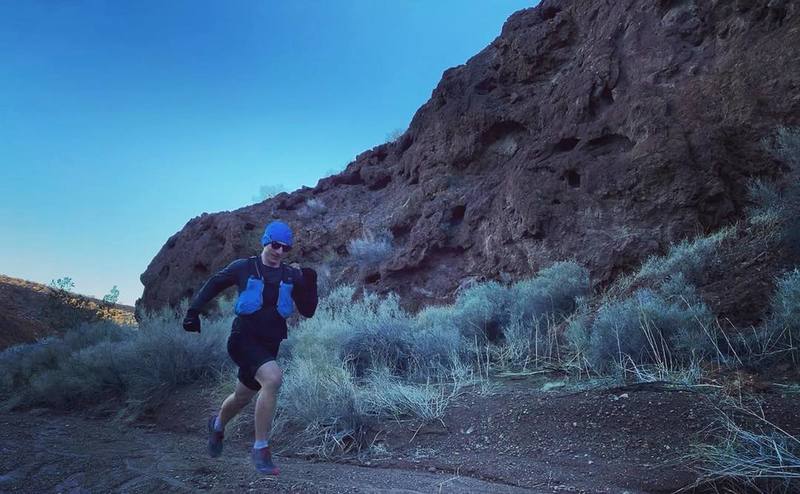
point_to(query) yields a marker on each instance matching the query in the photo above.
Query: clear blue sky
(121, 120)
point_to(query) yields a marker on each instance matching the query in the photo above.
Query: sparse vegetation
(372, 248)
(394, 135)
(664, 327)
(311, 209)
(750, 453)
(779, 339)
(100, 360)
(689, 258)
(62, 285)
(267, 191)
(112, 296)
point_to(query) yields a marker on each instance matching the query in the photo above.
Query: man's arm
(225, 278)
(304, 292)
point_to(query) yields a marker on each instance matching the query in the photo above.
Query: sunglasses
(277, 246)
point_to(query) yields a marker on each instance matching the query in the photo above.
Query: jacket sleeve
(304, 292)
(225, 278)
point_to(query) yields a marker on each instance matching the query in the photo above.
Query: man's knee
(243, 397)
(270, 376)
(242, 394)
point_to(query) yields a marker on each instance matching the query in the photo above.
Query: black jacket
(266, 323)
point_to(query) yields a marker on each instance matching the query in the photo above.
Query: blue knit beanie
(277, 231)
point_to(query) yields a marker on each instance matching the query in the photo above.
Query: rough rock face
(597, 131)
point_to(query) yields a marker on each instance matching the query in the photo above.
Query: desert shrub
(527, 344)
(311, 209)
(786, 147)
(326, 410)
(577, 333)
(782, 327)
(437, 352)
(394, 135)
(112, 297)
(369, 333)
(319, 409)
(481, 311)
(103, 360)
(382, 343)
(371, 249)
(552, 292)
(768, 204)
(21, 363)
(664, 327)
(687, 257)
(268, 191)
(386, 396)
(337, 317)
(748, 454)
(367, 358)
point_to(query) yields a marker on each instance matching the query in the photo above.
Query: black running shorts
(250, 354)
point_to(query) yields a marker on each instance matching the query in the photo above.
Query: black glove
(309, 277)
(192, 321)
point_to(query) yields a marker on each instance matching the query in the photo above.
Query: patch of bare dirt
(517, 439)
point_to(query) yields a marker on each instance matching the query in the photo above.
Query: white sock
(261, 444)
(218, 425)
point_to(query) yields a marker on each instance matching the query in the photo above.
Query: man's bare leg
(234, 403)
(230, 407)
(270, 377)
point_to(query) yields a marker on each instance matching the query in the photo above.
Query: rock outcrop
(597, 131)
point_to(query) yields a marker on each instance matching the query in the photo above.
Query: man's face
(275, 251)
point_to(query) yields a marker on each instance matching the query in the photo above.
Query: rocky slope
(598, 131)
(31, 311)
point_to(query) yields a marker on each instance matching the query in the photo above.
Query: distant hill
(31, 311)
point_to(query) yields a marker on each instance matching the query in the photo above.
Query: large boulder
(595, 131)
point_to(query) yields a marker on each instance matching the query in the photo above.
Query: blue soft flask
(251, 298)
(285, 302)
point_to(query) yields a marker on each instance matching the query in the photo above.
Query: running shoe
(262, 459)
(215, 438)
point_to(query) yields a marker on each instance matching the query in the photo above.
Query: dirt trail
(513, 441)
(42, 453)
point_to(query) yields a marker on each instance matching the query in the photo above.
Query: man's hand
(192, 321)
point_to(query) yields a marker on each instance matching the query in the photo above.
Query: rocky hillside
(597, 131)
(31, 311)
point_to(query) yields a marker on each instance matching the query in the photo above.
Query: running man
(268, 292)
